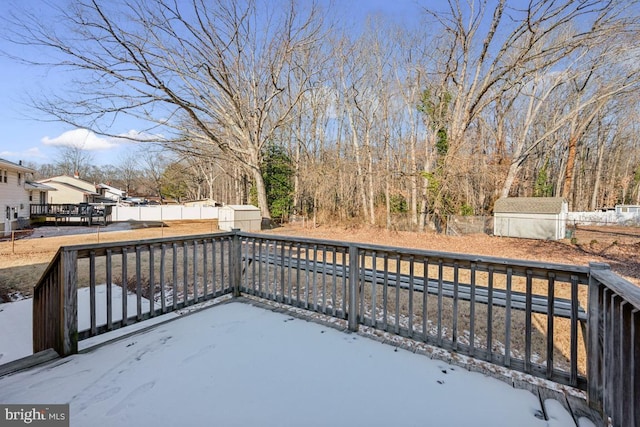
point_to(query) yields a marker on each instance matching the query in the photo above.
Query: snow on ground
(16, 338)
(239, 365)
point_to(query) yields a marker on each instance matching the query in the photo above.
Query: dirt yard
(23, 260)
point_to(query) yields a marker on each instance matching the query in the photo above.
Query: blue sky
(27, 136)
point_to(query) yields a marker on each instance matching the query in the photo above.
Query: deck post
(354, 290)
(236, 263)
(595, 347)
(69, 303)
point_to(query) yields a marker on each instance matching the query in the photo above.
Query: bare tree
(225, 73)
(72, 160)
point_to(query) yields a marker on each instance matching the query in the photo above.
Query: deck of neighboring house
(567, 332)
(69, 213)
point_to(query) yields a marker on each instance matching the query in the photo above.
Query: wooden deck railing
(577, 326)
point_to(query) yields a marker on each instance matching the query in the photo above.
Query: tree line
(288, 105)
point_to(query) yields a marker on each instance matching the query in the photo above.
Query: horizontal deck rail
(523, 315)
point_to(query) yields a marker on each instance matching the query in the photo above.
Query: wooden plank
(411, 285)
(472, 310)
(69, 269)
(174, 276)
(625, 364)
(92, 292)
(298, 259)
(595, 345)
(385, 293)
(152, 281)
(138, 284)
(634, 360)
(490, 314)
(551, 292)
(324, 279)
(454, 326)
(282, 274)
(353, 289)
(425, 312)
(374, 268)
(440, 283)
(507, 321)
(397, 312)
(108, 274)
(125, 281)
(574, 331)
(528, 329)
(314, 286)
(185, 273)
(334, 288)
(163, 296)
(213, 268)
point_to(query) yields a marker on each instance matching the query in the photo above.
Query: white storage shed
(530, 217)
(244, 217)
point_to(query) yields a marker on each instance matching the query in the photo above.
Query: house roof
(536, 205)
(30, 185)
(73, 187)
(110, 188)
(15, 166)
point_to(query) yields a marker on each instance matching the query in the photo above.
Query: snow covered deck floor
(240, 365)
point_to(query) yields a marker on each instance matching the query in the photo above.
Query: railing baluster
(374, 290)
(455, 306)
(152, 282)
(205, 270)
(472, 311)
(138, 284)
(324, 279)
(314, 280)
(185, 274)
(163, 304)
(125, 288)
(550, 323)
(92, 292)
(195, 271)
(282, 265)
(574, 331)
(425, 293)
(109, 285)
(440, 283)
(490, 271)
(507, 321)
(334, 288)
(385, 293)
(528, 320)
(175, 275)
(397, 286)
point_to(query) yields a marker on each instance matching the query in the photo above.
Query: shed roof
(536, 205)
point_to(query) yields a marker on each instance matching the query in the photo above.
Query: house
(111, 193)
(530, 217)
(16, 194)
(71, 189)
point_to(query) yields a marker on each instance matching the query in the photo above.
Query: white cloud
(29, 153)
(88, 140)
(80, 138)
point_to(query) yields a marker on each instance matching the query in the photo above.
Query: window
(8, 212)
(5, 176)
(19, 178)
(31, 196)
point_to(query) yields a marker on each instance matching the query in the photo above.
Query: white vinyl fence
(162, 213)
(603, 218)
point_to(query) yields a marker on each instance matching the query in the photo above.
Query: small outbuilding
(244, 217)
(530, 217)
